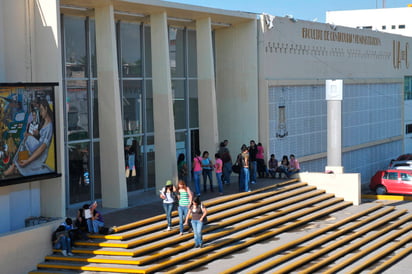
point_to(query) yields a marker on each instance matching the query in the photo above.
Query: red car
(392, 181)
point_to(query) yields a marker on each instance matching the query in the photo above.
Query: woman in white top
(167, 195)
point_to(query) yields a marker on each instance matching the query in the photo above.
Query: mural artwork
(27, 132)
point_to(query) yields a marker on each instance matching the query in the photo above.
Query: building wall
(237, 84)
(31, 54)
(2, 44)
(370, 114)
(298, 57)
(385, 20)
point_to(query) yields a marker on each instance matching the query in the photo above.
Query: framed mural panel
(27, 132)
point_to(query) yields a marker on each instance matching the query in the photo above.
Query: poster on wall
(27, 132)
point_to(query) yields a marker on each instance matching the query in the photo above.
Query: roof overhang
(180, 14)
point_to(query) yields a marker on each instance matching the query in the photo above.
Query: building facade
(154, 79)
(389, 20)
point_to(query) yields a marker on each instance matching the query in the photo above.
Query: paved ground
(148, 204)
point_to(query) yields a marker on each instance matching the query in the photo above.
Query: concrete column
(263, 92)
(114, 190)
(45, 59)
(208, 127)
(237, 84)
(334, 133)
(334, 125)
(165, 140)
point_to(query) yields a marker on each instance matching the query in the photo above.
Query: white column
(208, 127)
(334, 125)
(237, 84)
(165, 140)
(114, 190)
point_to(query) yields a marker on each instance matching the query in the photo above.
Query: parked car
(397, 181)
(404, 157)
(401, 164)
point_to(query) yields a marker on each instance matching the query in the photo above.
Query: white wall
(2, 51)
(308, 50)
(22, 250)
(375, 18)
(237, 84)
(30, 53)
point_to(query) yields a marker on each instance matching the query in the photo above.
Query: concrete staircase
(283, 228)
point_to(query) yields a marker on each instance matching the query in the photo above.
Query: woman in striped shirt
(185, 199)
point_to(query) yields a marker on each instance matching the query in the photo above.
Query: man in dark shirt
(227, 161)
(252, 159)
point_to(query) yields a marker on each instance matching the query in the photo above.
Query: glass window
(149, 107)
(81, 109)
(96, 175)
(93, 47)
(401, 27)
(193, 105)
(177, 52)
(192, 53)
(132, 107)
(408, 88)
(130, 41)
(408, 129)
(134, 163)
(383, 27)
(147, 51)
(77, 110)
(79, 176)
(181, 143)
(150, 151)
(179, 103)
(405, 177)
(75, 46)
(95, 105)
(391, 176)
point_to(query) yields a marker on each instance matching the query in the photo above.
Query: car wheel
(381, 190)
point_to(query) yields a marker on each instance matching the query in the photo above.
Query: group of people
(203, 167)
(88, 221)
(189, 206)
(250, 163)
(287, 166)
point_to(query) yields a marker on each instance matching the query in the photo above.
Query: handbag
(236, 168)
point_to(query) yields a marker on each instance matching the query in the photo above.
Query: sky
(311, 10)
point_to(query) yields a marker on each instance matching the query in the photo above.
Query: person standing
(260, 159)
(185, 199)
(244, 171)
(166, 194)
(252, 161)
(182, 168)
(198, 213)
(227, 161)
(207, 167)
(197, 170)
(218, 171)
